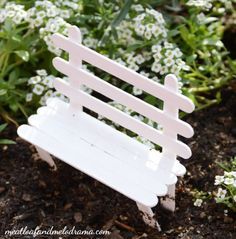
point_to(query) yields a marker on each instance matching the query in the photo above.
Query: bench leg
(168, 201)
(44, 155)
(148, 216)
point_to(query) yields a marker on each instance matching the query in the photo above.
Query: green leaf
(7, 141)
(187, 36)
(2, 127)
(3, 92)
(122, 14)
(14, 106)
(24, 55)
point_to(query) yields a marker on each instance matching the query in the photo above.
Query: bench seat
(101, 152)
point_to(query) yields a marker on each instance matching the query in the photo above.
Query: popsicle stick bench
(93, 147)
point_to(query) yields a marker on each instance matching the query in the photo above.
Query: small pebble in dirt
(170, 231)
(202, 214)
(123, 218)
(26, 197)
(67, 206)
(209, 218)
(78, 217)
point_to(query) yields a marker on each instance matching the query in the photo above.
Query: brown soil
(31, 194)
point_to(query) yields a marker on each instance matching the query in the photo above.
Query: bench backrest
(168, 118)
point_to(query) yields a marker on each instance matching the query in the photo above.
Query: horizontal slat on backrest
(124, 73)
(122, 97)
(123, 119)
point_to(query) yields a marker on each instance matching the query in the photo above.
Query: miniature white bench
(93, 147)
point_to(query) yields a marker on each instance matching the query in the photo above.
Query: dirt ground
(31, 194)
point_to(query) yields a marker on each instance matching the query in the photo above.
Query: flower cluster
(47, 17)
(13, 11)
(42, 87)
(50, 18)
(218, 6)
(53, 25)
(226, 192)
(158, 57)
(203, 4)
(150, 24)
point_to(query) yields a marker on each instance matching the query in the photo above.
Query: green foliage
(5, 141)
(225, 192)
(112, 28)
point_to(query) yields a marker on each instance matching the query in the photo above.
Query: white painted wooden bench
(93, 147)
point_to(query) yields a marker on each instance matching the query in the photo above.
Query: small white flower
(234, 198)
(157, 56)
(233, 173)
(35, 80)
(90, 42)
(48, 94)
(169, 53)
(52, 27)
(164, 70)
(65, 14)
(52, 12)
(140, 29)
(227, 174)
(229, 181)
(175, 69)
(138, 7)
(29, 97)
(168, 45)
(139, 59)
(38, 22)
(156, 79)
(169, 62)
(198, 202)
(137, 91)
(156, 48)
(42, 72)
(148, 34)
(48, 81)
(41, 14)
(219, 179)
(38, 89)
(156, 67)
(147, 55)
(201, 18)
(139, 117)
(133, 67)
(177, 52)
(156, 31)
(221, 193)
(140, 17)
(42, 100)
